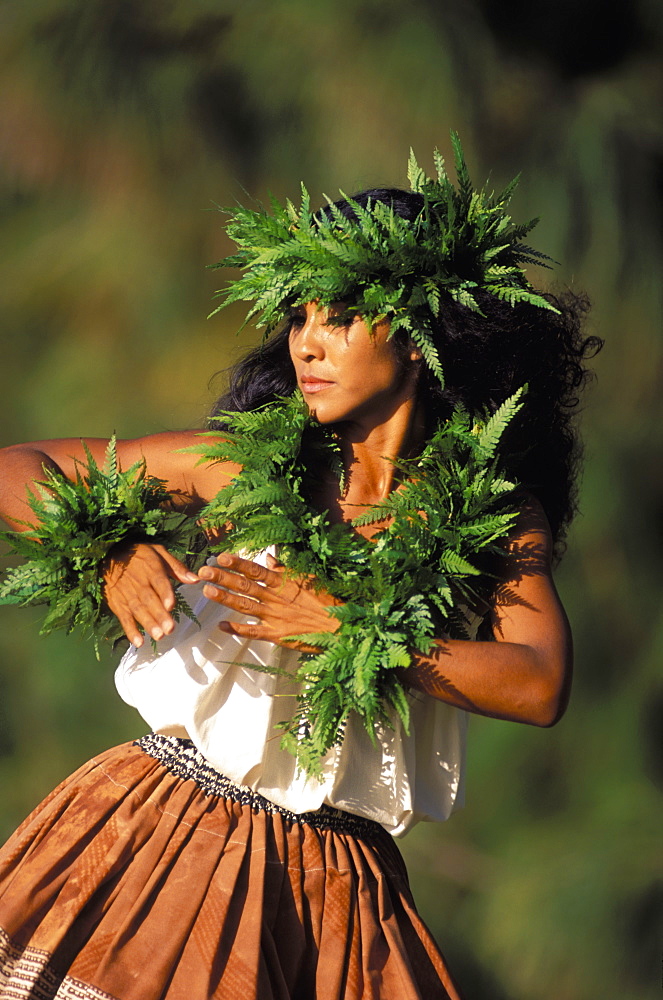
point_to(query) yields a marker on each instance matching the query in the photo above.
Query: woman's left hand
(284, 605)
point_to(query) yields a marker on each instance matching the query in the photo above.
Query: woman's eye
(345, 323)
(296, 320)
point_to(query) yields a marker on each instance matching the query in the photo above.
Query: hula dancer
(384, 488)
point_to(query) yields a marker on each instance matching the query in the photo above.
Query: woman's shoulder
(531, 528)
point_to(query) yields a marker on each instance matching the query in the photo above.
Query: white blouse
(204, 684)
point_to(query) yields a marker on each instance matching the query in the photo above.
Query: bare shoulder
(531, 529)
(526, 600)
(528, 550)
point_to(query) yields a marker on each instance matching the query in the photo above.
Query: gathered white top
(208, 686)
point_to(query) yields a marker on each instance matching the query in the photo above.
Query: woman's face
(347, 372)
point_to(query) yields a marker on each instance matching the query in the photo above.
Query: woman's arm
(191, 486)
(523, 676)
(138, 586)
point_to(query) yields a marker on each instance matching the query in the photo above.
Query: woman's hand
(284, 605)
(138, 588)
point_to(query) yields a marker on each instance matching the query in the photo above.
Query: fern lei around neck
(355, 377)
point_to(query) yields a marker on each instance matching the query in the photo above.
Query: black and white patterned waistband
(180, 757)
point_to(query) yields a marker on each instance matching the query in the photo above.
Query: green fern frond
(489, 436)
(79, 522)
(453, 506)
(382, 265)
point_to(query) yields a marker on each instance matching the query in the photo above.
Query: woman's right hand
(138, 588)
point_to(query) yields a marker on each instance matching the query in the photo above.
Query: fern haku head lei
(414, 580)
(381, 265)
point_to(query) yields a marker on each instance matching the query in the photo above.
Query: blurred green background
(122, 122)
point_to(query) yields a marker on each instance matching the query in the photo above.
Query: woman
(202, 861)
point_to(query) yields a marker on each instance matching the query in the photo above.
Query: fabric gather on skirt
(133, 882)
(182, 758)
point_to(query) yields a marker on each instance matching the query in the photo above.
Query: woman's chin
(319, 412)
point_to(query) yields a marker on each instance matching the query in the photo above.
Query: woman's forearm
(504, 680)
(524, 676)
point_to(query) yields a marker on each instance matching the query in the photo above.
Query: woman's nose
(307, 341)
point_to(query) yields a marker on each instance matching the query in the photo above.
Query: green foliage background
(121, 122)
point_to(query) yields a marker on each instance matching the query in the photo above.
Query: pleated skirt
(141, 877)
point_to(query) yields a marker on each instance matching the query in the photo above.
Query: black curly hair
(487, 356)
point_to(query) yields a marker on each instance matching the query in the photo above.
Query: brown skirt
(134, 881)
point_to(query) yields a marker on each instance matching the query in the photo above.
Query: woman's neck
(367, 450)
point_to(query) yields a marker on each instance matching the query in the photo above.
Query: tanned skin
(353, 378)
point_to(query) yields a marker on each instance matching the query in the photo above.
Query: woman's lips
(314, 384)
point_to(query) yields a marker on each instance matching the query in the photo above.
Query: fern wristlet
(79, 522)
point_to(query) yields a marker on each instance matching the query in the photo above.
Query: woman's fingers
(255, 630)
(284, 606)
(253, 571)
(129, 626)
(236, 602)
(246, 630)
(232, 583)
(136, 604)
(177, 569)
(138, 588)
(274, 565)
(245, 584)
(134, 617)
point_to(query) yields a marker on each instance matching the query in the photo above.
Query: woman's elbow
(549, 713)
(551, 696)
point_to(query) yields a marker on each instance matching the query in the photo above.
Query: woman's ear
(415, 354)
